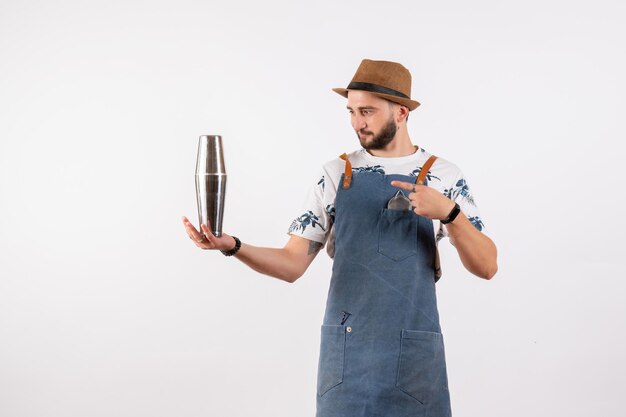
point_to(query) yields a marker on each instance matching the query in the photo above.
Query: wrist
(452, 215)
(235, 248)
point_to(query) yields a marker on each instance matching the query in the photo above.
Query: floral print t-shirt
(315, 221)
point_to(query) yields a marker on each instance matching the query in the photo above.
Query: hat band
(374, 88)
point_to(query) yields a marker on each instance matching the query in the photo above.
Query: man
(381, 211)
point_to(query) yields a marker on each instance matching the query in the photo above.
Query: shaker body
(211, 182)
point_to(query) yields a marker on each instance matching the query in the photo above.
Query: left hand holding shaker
(207, 239)
(210, 194)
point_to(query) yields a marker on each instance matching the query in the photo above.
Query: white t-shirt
(316, 221)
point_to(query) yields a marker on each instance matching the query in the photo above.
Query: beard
(382, 139)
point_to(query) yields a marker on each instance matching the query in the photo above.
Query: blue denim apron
(382, 352)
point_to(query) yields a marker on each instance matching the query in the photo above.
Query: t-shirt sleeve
(459, 191)
(315, 218)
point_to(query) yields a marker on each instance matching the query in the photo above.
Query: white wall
(106, 308)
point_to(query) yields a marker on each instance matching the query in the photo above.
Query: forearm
(276, 262)
(287, 264)
(478, 253)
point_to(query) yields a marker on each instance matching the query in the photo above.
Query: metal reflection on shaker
(211, 182)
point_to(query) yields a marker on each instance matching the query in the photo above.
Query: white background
(107, 308)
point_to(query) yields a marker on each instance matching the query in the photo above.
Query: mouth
(363, 135)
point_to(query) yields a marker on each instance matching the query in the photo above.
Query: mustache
(365, 132)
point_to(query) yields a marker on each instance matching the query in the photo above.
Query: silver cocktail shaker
(211, 182)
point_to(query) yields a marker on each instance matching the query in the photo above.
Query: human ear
(403, 114)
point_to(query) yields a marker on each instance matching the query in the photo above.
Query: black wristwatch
(233, 250)
(455, 212)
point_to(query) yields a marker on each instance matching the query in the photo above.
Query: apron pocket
(397, 234)
(330, 369)
(421, 368)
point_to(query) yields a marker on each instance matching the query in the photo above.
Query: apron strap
(424, 171)
(347, 176)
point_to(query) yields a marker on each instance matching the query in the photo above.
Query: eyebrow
(363, 108)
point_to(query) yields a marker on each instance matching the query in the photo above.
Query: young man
(381, 211)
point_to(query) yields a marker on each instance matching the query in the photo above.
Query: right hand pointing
(207, 240)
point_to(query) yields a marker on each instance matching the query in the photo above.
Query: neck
(400, 146)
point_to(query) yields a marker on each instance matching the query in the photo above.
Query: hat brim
(411, 104)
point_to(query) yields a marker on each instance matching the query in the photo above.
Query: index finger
(207, 232)
(410, 186)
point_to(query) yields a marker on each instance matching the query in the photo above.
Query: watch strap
(455, 212)
(233, 250)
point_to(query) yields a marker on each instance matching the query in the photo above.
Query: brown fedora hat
(385, 79)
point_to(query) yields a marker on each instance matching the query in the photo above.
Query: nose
(358, 122)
